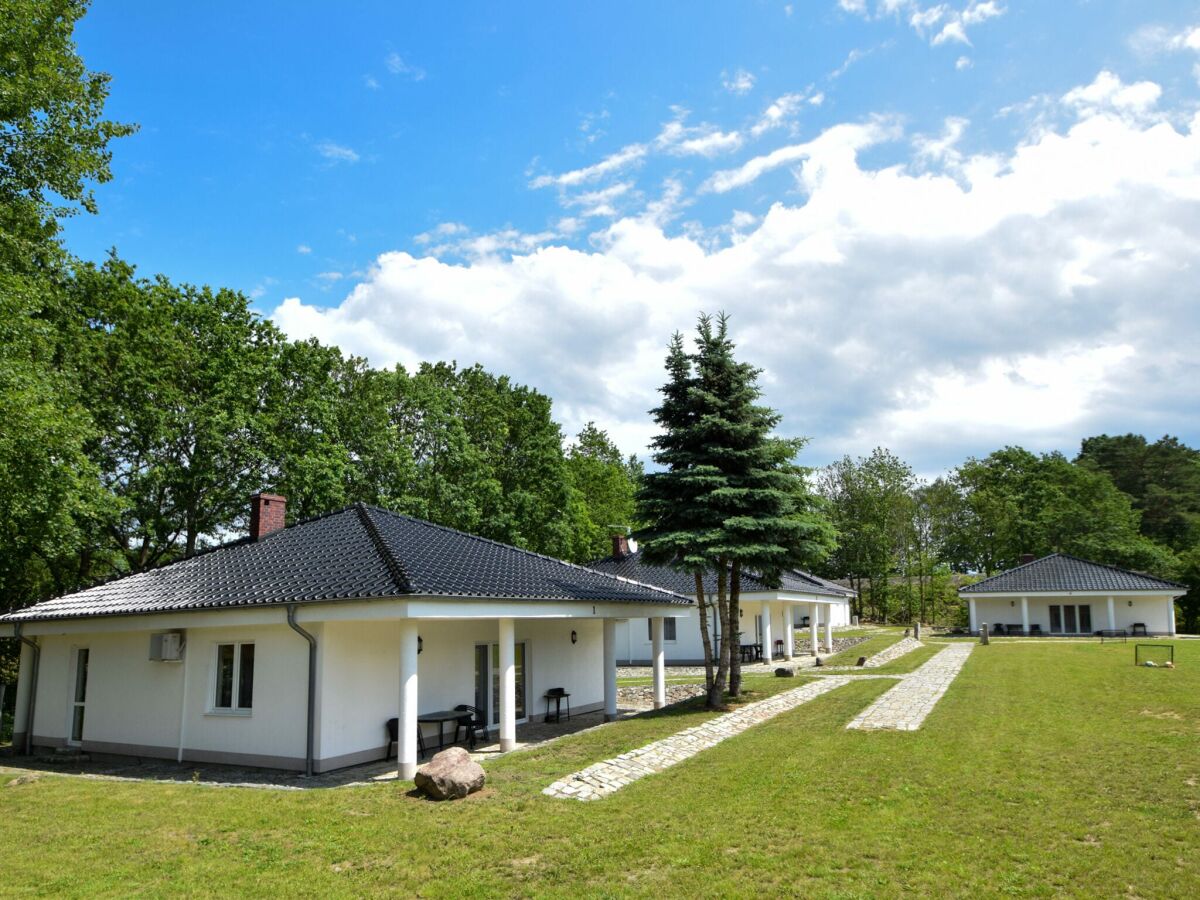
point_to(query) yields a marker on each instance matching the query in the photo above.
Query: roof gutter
(312, 686)
(31, 703)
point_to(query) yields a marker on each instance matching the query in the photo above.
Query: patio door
(79, 696)
(487, 681)
(1071, 618)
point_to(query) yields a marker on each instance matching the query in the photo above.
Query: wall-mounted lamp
(420, 644)
(574, 637)
(1012, 602)
(1131, 603)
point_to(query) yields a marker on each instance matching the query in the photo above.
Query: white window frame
(215, 674)
(666, 640)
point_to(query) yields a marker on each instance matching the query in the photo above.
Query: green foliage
(1162, 479)
(605, 485)
(53, 137)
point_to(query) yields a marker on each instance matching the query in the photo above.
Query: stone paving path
(603, 778)
(905, 706)
(898, 649)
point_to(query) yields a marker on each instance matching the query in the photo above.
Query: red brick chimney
(266, 514)
(620, 546)
(1027, 558)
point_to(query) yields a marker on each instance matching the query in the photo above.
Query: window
(668, 629)
(235, 678)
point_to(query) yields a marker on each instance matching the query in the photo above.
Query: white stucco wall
(360, 666)
(1151, 611)
(134, 704)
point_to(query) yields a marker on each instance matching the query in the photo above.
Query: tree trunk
(702, 604)
(735, 656)
(716, 693)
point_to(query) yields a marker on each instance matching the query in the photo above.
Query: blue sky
(880, 191)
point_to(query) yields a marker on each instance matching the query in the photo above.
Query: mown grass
(876, 643)
(1045, 770)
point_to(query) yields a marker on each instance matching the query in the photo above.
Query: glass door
(1085, 619)
(1071, 619)
(79, 698)
(487, 680)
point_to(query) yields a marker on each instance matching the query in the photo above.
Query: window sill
(230, 713)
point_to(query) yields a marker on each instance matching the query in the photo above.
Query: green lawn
(1046, 770)
(876, 643)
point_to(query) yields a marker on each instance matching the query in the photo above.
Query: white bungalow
(292, 648)
(1065, 595)
(770, 614)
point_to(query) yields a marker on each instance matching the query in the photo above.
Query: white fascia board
(352, 610)
(1125, 595)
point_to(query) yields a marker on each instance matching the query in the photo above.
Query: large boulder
(450, 775)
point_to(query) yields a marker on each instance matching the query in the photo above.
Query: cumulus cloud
(303, 249)
(679, 139)
(941, 303)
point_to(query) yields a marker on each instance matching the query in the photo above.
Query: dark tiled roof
(1062, 572)
(631, 566)
(356, 553)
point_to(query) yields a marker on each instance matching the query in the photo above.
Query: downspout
(312, 686)
(33, 683)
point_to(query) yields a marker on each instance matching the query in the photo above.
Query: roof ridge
(395, 568)
(487, 540)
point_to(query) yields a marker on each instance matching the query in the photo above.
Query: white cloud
(303, 249)
(397, 65)
(680, 139)
(784, 109)
(942, 304)
(337, 153)
(330, 277)
(963, 62)
(939, 23)
(371, 82)
(627, 156)
(834, 148)
(740, 82)
(1107, 91)
(600, 202)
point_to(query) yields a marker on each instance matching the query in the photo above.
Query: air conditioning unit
(166, 647)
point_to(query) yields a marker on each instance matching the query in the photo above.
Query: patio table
(441, 717)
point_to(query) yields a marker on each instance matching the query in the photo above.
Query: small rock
(819, 662)
(862, 661)
(450, 775)
(784, 672)
(27, 778)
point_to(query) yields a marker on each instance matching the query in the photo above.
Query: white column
(1112, 615)
(829, 629)
(508, 686)
(610, 669)
(971, 614)
(812, 628)
(789, 631)
(768, 645)
(406, 744)
(1171, 616)
(660, 662)
(24, 686)
(1025, 614)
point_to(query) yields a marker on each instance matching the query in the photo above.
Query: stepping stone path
(905, 706)
(907, 645)
(603, 778)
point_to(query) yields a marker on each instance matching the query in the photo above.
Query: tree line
(906, 545)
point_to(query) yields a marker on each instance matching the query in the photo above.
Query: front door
(79, 696)
(487, 681)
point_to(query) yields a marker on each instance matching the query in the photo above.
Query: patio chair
(1035, 630)
(393, 731)
(558, 695)
(473, 720)
(1139, 628)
